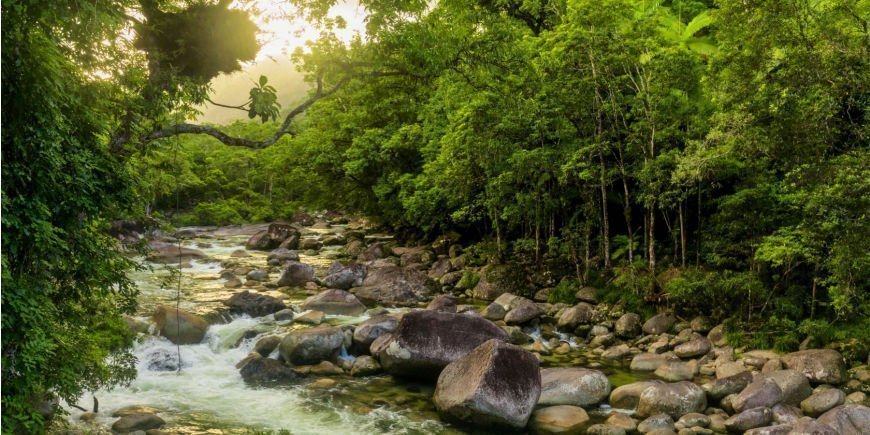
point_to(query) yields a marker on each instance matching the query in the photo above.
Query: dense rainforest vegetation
(710, 156)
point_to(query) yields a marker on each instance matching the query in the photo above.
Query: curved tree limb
(319, 93)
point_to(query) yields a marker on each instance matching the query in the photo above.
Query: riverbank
(270, 299)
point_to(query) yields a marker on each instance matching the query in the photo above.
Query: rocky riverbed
(321, 327)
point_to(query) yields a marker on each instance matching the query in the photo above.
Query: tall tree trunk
(626, 210)
(587, 235)
(682, 236)
(605, 224)
(698, 231)
(652, 238)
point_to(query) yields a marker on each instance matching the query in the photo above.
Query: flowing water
(208, 396)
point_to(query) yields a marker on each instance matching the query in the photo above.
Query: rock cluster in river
(484, 362)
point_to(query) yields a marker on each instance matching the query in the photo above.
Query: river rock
(561, 419)
(779, 429)
(367, 331)
(659, 323)
(496, 279)
(424, 342)
(749, 419)
(627, 396)
(137, 422)
(579, 314)
(761, 393)
(365, 365)
(345, 275)
(497, 383)
(179, 326)
(573, 386)
(280, 256)
(311, 345)
(166, 253)
(648, 362)
(266, 345)
(719, 388)
(673, 371)
(628, 326)
(254, 304)
(271, 238)
(694, 419)
(335, 301)
(162, 360)
(698, 346)
(587, 294)
(296, 274)
(794, 385)
(820, 366)
(394, 285)
(258, 369)
(808, 426)
(522, 311)
(621, 421)
(441, 267)
(851, 419)
(658, 422)
(493, 312)
(786, 414)
(312, 317)
(604, 429)
(675, 399)
(445, 303)
(822, 401)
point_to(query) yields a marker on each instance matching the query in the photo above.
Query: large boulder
(311, 345)
(345, 275)
(719, 388)
(763, 392)
(696, 347)
(675, 399)
(137, 422)
(296, 274)
(497, 279)
(794, 385)
(497, 383)
(426, 341)
(282, 255)
(271, 238)
(560, 419)
(445, 303)
(659, 323)
(369, 330)
(627, 396)
(179, 326)
(820, 366)
(335, 301)
(851, 419)
(394, 285)
(166, 253)
(822, 401)
(522, 310)
(579, 314)
(749, 419)
(573, 386)
(258, 369)
(254, 304)
(628, 326)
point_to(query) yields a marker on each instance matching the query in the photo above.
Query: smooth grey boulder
(311, 345)
(675, 399)
(345, 275)
(364, 365)
(424, 342)
(497, 383)
(254, 304)
(296, 274)
(271, 238)
(648, 362)
(820, 366)
(808, 426)
(794, 385)
(722, 387)
(779, 429)
(628, 326)
(335, 301)
(627, 396)
(257, 369)
(698, 346)
(673, 371)
(761, 393)
(579, 314)
(445, 303)
(522, 311)
(656, 422)
(573, 386)
(179, 326)
(393, 285)
(786, 414)
(822, 401)
(369, 330)
(282, 255)
(749, 419)
(851, 419)
(659, 323)
(137, 422)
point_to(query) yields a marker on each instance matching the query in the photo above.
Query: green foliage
(564, 292)
(468, 281)
(263, 101)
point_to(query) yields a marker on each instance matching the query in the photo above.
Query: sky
(281, 33)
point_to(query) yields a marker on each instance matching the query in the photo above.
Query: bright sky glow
(281, 33)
